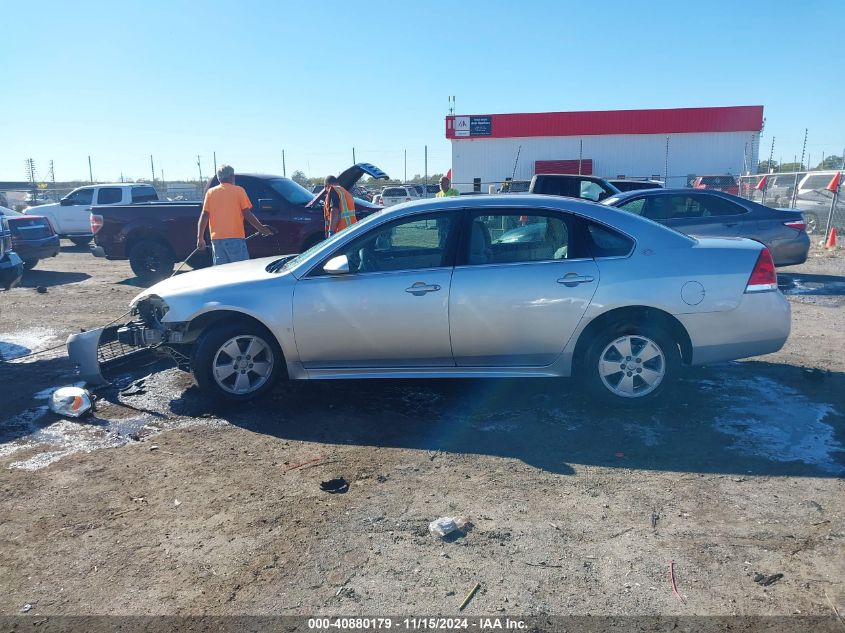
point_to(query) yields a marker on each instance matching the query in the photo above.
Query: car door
(74, 212)
(391, 309)
(523, 281)
(272, 210)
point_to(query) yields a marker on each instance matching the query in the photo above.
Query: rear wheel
(81, 241)
(151, 260)
(238, 361)
(631, 365)
(29, 264)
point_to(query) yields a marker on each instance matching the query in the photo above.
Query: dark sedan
(710, 213)
(33, 238)
(11, 266)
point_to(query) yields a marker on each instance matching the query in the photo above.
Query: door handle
(420, 288)
(573, 279)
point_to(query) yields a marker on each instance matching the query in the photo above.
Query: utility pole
(354, 162)
(53, 181)
(215, 162)
(426, 166)
(152, 168)
(772, 155)
(90, 171)
(406, 166)
(199, 167)
(284, 167)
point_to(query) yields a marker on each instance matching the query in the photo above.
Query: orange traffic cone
(831, 239)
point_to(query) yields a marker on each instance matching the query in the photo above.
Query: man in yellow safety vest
(338, 207)
(446, 190)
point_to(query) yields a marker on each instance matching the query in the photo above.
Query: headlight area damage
(102, 353)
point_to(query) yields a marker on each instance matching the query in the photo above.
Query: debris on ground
(301, 464)
(26, 608)
(674, 584)
(335, 486)
(469, 596)
(71, 402)
(765, 581)
(654, 519)
(446, 525)
(41, 290)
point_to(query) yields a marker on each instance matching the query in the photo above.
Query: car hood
(210, 279)
(349, 177)
(41, 209)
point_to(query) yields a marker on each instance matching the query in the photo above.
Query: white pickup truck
(70, 218)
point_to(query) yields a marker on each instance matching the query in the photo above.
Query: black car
(33, 238)
(572, 186)
(11, 266)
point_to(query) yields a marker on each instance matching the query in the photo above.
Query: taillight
(798, 225)
(96, 223)
(763, 277)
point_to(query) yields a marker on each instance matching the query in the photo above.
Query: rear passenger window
(144, 194)
(605, 242)
(717, 206)
(516, 236)
(109, 195)
(395, 192)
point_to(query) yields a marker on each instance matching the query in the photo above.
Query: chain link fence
(804, 190)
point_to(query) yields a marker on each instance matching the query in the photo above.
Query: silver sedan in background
(488, 286)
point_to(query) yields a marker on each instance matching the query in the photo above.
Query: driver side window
(83, 196)
(416, 243)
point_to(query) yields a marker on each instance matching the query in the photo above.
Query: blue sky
(121, 81)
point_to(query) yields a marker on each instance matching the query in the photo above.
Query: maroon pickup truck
(153, 236)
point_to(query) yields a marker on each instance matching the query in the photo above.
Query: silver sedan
(492, 286)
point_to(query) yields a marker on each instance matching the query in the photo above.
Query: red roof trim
(669, 121)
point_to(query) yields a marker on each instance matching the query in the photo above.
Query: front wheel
(239, 361)
(631, 365)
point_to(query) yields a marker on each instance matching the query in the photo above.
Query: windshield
(290, 191)
(294, 262)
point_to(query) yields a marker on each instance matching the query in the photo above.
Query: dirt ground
(161, 504)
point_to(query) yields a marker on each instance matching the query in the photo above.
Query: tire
(224, 370)
(151, 260)
(29, 264)
(81, 241)
(626, 344)
(812, 222)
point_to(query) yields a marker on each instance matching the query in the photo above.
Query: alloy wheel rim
(632, 366)
(243, 364)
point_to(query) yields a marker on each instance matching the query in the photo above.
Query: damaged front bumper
(103, 352)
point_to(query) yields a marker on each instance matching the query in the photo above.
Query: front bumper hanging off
(100, 353)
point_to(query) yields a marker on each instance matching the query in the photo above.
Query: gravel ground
(160, 504)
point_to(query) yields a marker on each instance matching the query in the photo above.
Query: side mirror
(65, 202)
(266, 204)
(337, 265)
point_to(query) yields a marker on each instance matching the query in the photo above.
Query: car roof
(636, 193)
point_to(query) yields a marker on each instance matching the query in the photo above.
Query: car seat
(479, 244)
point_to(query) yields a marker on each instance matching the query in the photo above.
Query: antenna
(516, 162)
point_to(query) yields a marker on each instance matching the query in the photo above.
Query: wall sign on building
(473, 126)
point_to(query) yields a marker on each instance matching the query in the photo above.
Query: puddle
(47, 438)
(776, 422)
(18, 344)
